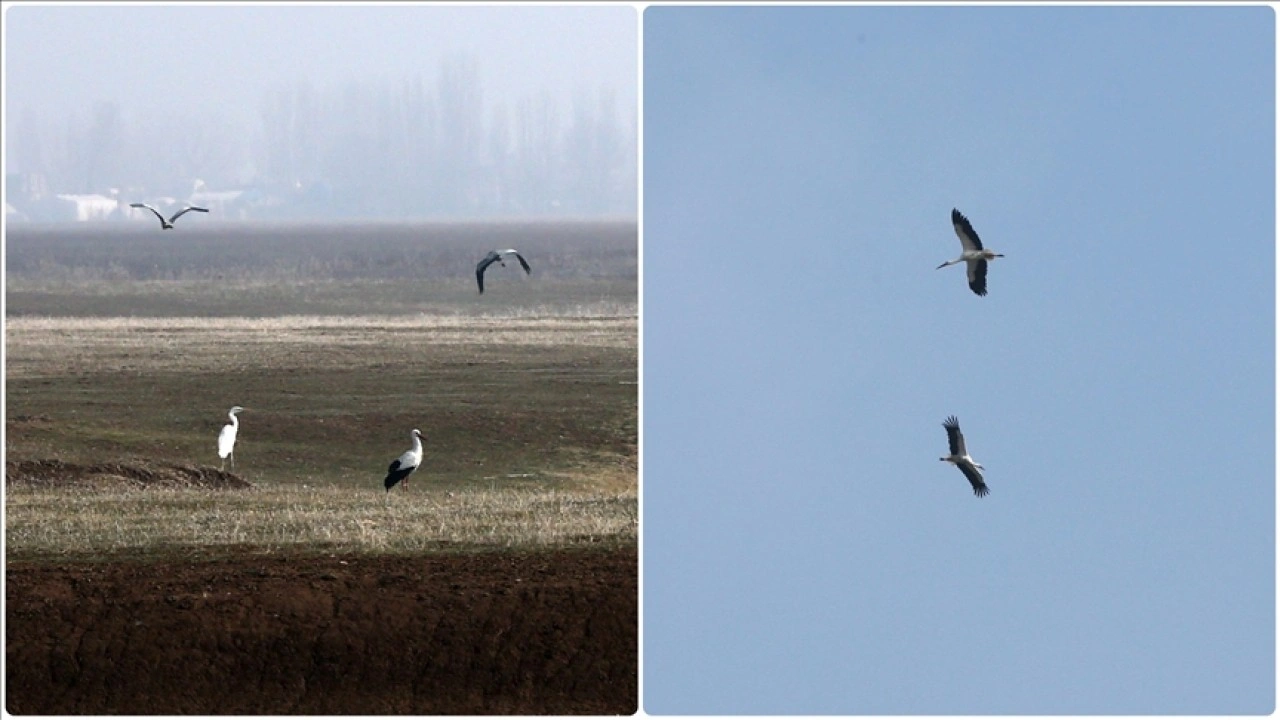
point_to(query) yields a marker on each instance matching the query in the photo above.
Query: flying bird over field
(960, 457)
(973, 256)
(402, 467)
(495, 256)
(168, 224)
(227, 439)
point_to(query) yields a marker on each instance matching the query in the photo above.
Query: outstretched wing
(968, 238)
(977, 276)
(523, 264)
(975, 478)
(488, 260)
(954, 437)
(153, 210)
(185, 210)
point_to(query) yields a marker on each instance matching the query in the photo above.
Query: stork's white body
(227, 438)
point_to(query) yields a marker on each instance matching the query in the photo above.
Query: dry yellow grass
(83, 524)
(41, 345)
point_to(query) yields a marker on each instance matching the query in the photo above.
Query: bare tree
(461, 110)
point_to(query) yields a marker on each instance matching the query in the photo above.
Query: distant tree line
(363, 150)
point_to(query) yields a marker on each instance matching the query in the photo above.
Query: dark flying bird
(227, 439)
(403, 467)
(974, 257)
(495, 256)
(168, 224)
(960, 457)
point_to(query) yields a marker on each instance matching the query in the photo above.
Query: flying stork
(974, 256)
(960, 457)
(227, 439)
(495, 256)
(402, 467)
(168, 224)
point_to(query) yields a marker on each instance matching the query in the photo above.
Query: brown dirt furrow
(485, 633)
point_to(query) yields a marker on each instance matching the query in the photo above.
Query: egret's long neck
(234, 422)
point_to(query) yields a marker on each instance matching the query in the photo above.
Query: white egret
(227, 438)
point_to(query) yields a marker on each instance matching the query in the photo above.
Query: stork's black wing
(977, 276)
(954, 438)
(975, 478)
(965, 231)
(153, 210)
(488, 260)
(186, 209)
(523, 264)
(395, 474)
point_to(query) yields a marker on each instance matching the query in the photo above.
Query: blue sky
(804, 550)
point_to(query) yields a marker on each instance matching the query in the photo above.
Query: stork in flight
(974, 256)
(401, 468)
(168, 224)
(960, 457)
(495, 256)
(227, 439)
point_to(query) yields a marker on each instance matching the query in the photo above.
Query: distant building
(83, 208)
(221, 203)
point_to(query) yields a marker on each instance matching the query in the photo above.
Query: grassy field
(129, 347)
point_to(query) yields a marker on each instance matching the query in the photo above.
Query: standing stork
(168, 224)
(402, 467)
(973, 255)
(960, 457)
(495, 256)
(227, 439)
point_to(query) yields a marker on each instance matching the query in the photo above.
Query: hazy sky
(59, 59)
(804, 550)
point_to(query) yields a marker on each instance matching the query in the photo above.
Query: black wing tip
(951, 422)
(395, 476)
(979, 291)
(980, 490)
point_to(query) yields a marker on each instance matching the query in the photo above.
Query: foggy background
(320, 112)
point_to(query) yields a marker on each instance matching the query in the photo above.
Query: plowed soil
(487, 633)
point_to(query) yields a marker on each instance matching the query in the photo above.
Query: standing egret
(403, 467)
(168, 224)
(960, 457)
(495, 256)
(973, 255)
(227, 439)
